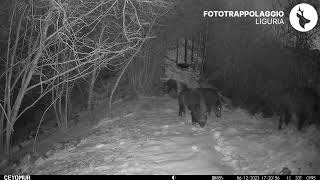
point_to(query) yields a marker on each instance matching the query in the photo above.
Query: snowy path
(146, 137)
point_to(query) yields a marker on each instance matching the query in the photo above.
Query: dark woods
(252, 65)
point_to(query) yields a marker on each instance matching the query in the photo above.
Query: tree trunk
(90, 93)
(203, 55)
(1, 132)
(205, 51)
(185, 50)
(54, 95)
(67, 106)
(198, 52)
(177, 52)
(192, 47)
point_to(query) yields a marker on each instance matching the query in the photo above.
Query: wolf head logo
(302, 20)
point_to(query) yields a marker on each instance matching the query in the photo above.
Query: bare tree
(56, 44)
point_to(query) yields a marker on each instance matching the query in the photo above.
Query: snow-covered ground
(145, 136)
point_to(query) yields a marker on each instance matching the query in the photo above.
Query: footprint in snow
(195, 148)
